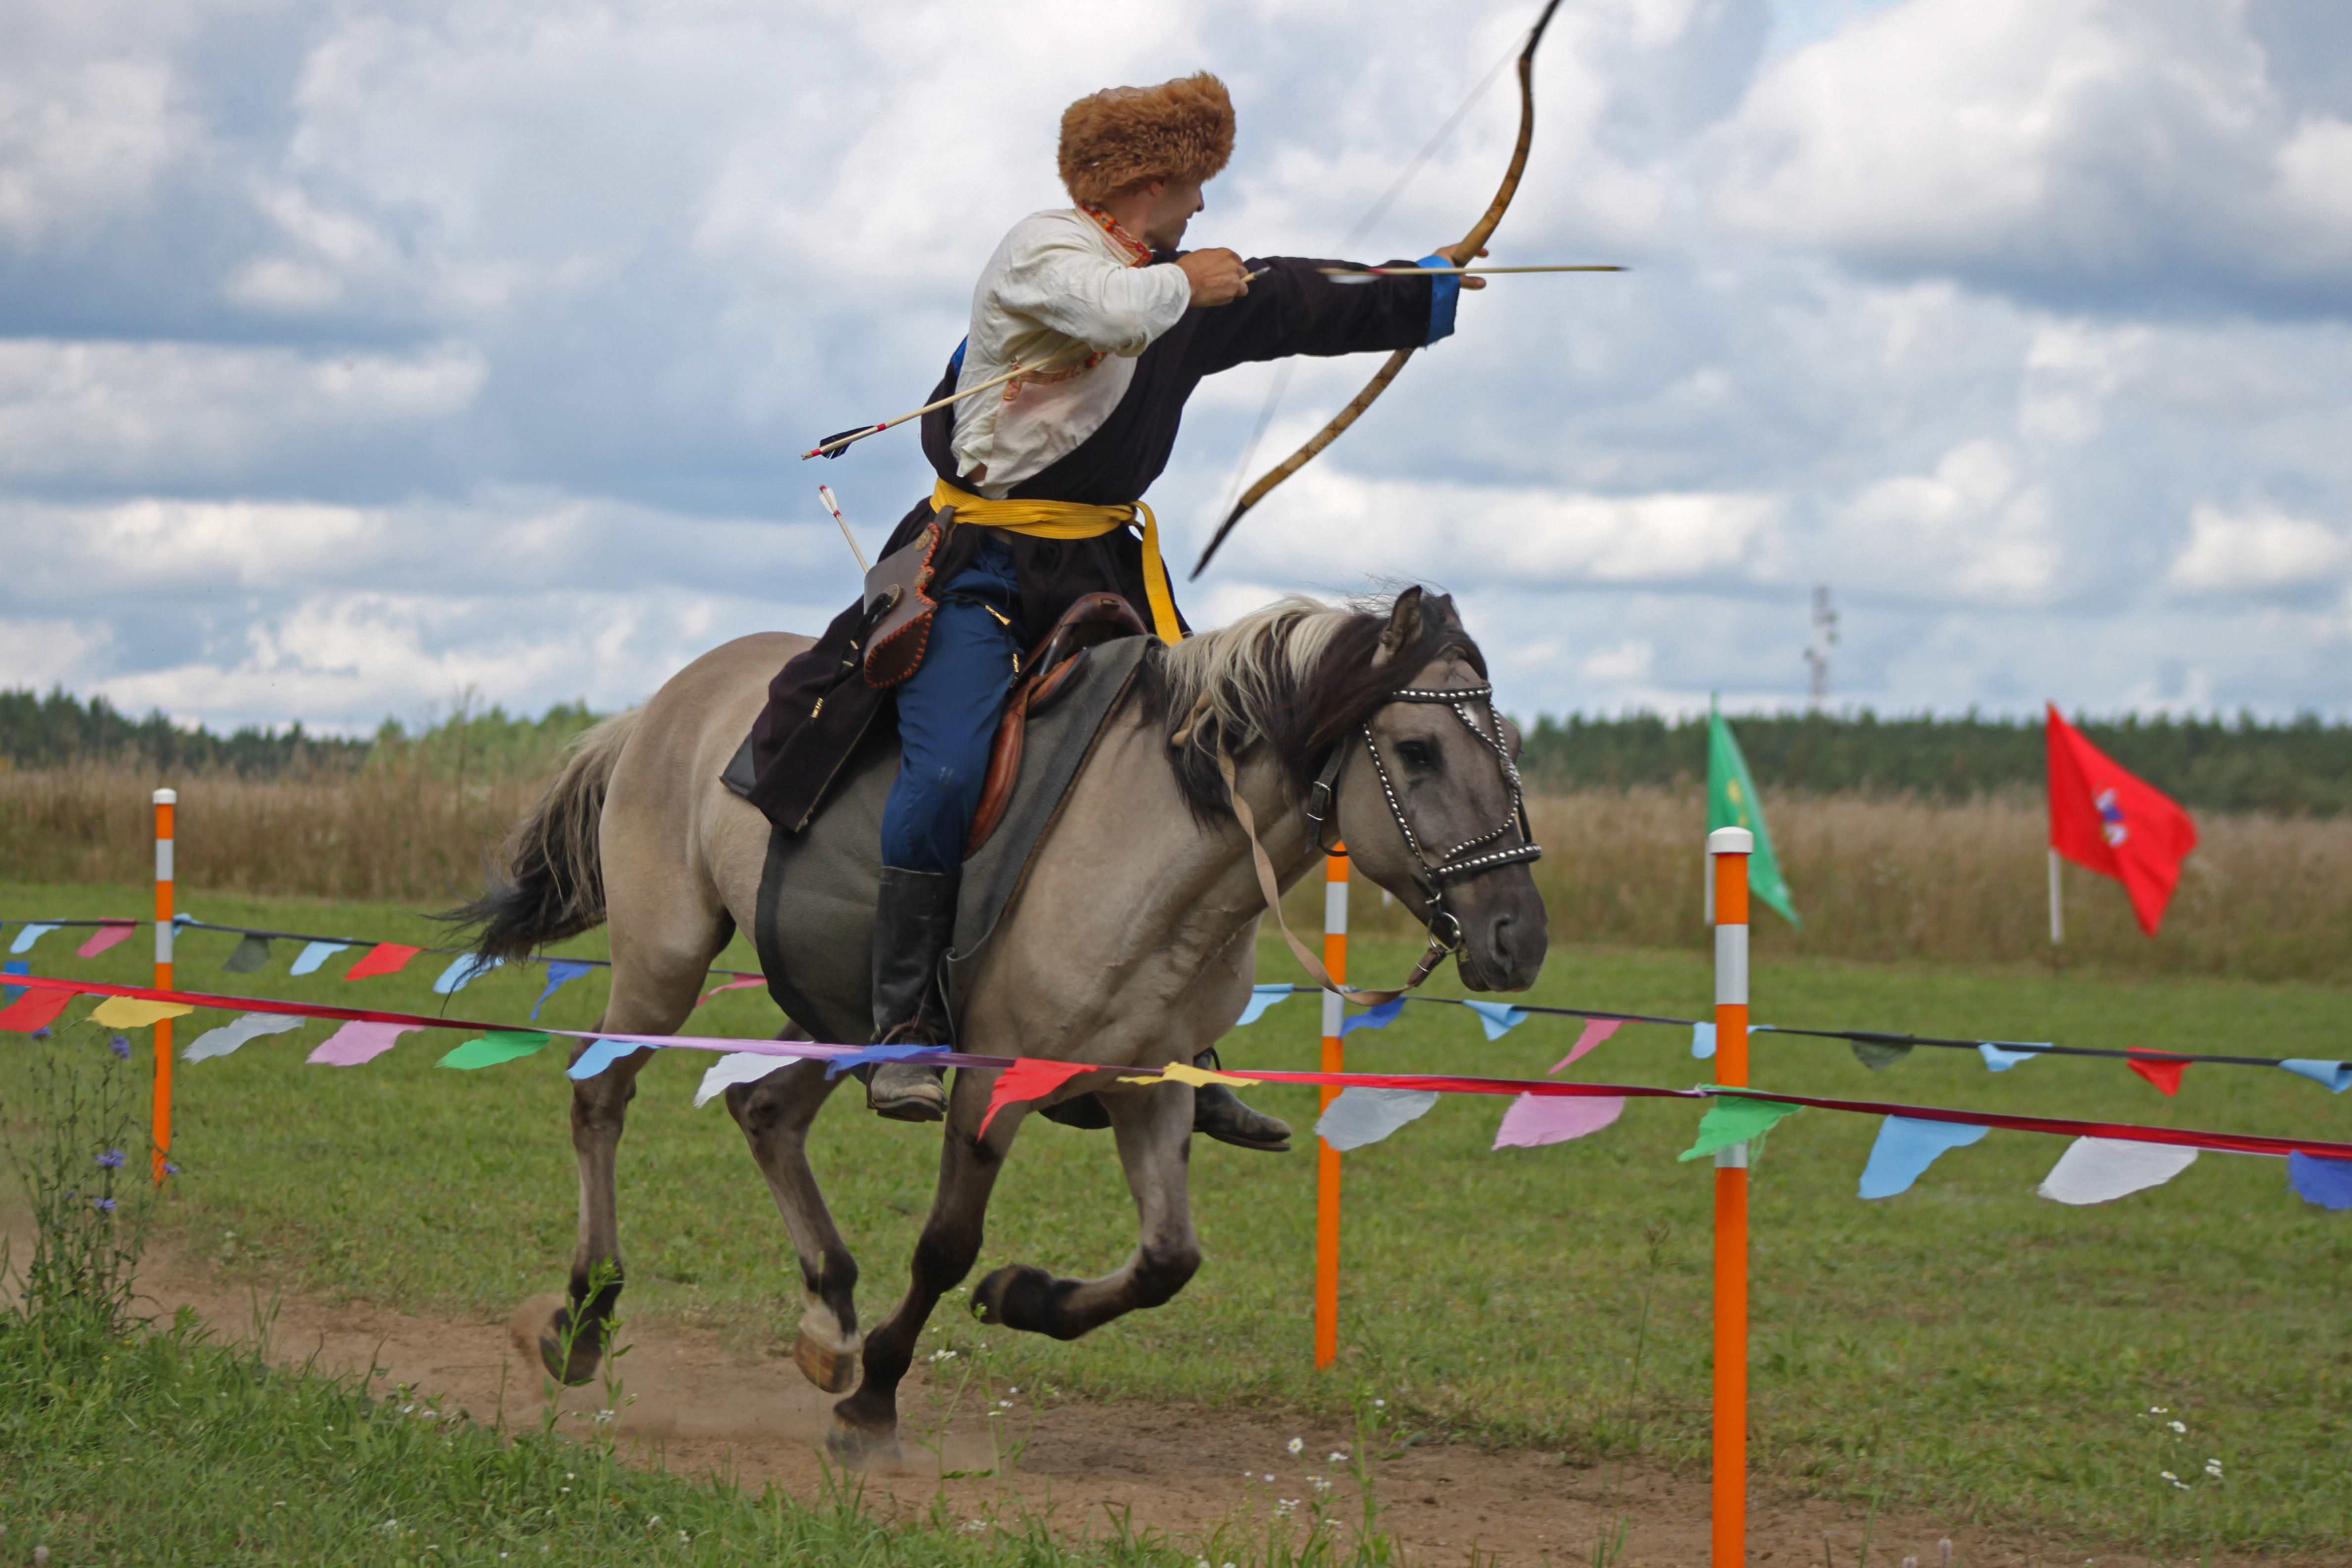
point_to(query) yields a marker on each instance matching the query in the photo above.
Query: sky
(354, 356)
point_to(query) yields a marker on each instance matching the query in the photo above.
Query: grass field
(1965, 1346)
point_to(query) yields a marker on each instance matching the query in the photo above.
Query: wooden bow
(1471, 245)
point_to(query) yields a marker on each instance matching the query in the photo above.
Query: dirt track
(1180, 1470)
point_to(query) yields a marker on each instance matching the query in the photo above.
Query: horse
(1131, 942)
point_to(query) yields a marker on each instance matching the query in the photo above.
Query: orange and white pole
(166, 801)
(1728, 848)
(1327, 1158)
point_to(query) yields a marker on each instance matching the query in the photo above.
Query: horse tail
(551, 883)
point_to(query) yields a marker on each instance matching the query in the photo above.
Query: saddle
(1050, 669)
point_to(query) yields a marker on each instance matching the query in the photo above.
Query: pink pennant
(106, 936)
(1536, 1119)
(383, 958)
(358, 1041)
(1595, 1031)
(732, 986)
(1029, 1079)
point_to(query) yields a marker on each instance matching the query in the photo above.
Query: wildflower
(1322, 1483)
(1380, 1404)
(2176, 1481)
(1296, 1446)
(170, 1169)
(2158, 1410)
(111, 1159)
(40, 1033)
(2177, 1426)
(119, 1045)
(104, 1205)
(2213, 1469)
(1339, 1457)
(1282, 1507)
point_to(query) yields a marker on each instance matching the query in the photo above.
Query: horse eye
(1417, 753)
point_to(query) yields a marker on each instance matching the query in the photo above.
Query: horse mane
(1294, 676)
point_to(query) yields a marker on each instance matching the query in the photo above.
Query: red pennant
(2165, 1075)
(383, 958)
(2104, 820)
(1030, 1078)
(106, 936)
(37, 1008)
(731, 985)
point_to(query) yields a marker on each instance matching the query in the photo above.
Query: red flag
(2104, 820)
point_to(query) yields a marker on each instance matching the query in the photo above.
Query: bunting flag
(2165, 1075)
(1905, 1147)
(705, 998)
(1359, 1115)
(1879, 1055)
(1534, 1121)
(315, 954)
(2336, 1076)
(220, 1042)
(247, 955)
(358, 1041)
(498, 1046)
(1261, 999)
(28, 935)
(1736, 1120)
(1595, 1033)
(383, 958)
(2100, 1169)
(130, 1013)
(468, 968)
(743, 1066)
(1185, 1072)
(1999, 1061)
(600, 1055)
(1702, 1041)
(866, 1055)
(1028, 1079)
(2328, 1183)
(1498, 1018)
(106, 936)
(14, 966)
(561, 972)
(1378, 1017)
(37, 1008)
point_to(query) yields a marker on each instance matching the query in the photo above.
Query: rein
(1444, 927)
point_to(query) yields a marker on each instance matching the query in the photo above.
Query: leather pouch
(899, 606)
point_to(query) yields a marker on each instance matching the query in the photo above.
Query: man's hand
(1218, 277)
(1460, 257)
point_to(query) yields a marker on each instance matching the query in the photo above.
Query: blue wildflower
(111, 1159)
(41, 1034)
(105, 1205)
(119, 1045)
(170, 1169)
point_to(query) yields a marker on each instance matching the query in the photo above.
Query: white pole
(2057, 909)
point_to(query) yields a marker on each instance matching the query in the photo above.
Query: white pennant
(2100, 1169)
(742, 1066)
(228, 1036)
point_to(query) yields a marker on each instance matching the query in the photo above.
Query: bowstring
(1281, 383)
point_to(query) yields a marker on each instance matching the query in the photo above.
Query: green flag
(1736, 1119)
(1732, 801)
(498, 1046)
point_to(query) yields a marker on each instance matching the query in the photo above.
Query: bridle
(1458, 863)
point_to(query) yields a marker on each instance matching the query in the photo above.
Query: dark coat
(819, 705)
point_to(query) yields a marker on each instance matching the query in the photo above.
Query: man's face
(1174, 203)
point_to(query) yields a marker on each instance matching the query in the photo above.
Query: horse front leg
(774, 1114)
(865, 1425)
(1154, 1131)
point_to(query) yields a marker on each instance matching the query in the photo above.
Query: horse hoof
(856, 1448)
(832, 1370)
(537, 1330)
(1014, 1296)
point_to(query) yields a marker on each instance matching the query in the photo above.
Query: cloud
(2258, 550)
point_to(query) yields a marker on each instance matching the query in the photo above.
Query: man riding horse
(1039, 490)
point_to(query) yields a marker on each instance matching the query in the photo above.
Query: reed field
(2264, 897)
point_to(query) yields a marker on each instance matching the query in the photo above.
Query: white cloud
(1973, 527)
(2257, 550)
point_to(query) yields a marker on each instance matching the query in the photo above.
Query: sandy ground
(1182, 1472)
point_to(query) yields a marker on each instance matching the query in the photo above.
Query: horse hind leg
(774, 1113)
(1154, 1131)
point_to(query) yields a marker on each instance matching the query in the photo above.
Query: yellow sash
(1073, 520)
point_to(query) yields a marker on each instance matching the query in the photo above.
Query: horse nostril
(1499, 942)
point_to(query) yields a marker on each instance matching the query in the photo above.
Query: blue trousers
(948, 711)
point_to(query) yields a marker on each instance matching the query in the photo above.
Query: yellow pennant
(1182, 1073)
(133, 1012)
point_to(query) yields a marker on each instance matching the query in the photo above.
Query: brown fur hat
(1125, 137)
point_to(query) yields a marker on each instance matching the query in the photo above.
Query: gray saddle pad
(815, 926)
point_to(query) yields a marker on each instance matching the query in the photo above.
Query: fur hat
(1126, 137)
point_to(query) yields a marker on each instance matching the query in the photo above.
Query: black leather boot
(914, 922)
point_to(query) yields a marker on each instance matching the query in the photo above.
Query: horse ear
(1403, 628)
